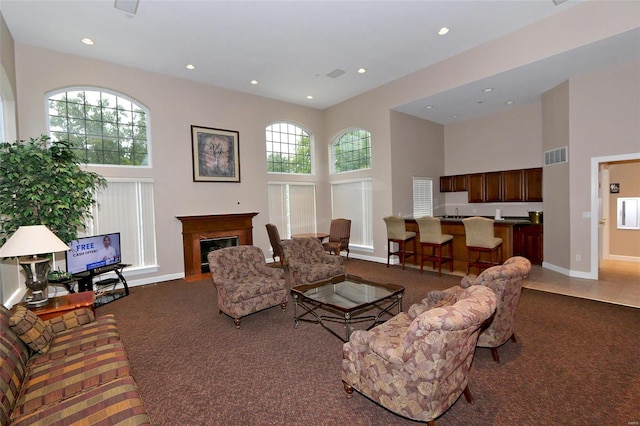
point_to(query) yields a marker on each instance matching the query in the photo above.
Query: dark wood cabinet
(512, 185)
(476, 188)
(493, 187)
(446, 183)
(533, 184)
(459, 183)
(528, 242)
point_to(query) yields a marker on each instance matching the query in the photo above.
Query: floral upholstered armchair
(308, 262)
(417, 366)
(244, 282)
(506, 281)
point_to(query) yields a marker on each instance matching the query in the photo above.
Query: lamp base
(37, 299)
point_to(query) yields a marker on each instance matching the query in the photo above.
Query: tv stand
(105, 290)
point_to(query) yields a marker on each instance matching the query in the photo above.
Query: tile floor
(619, 283)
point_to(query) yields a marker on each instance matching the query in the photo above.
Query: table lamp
(29, 242)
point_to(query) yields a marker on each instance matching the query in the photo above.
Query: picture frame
(215, 154)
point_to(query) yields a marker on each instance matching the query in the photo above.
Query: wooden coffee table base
(62, 304)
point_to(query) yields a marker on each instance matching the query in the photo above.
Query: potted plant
(42, 183)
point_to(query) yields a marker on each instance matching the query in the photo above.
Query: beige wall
(175, 105)
(603, 117)
(623, 243)
(504, 141)
(555, 182)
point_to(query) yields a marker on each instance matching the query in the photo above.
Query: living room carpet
(576, 362)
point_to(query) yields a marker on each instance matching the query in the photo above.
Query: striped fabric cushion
(13, 360)
(71, 320)
(102, 331)
(115, 403)
(54, 381)
(31, 329)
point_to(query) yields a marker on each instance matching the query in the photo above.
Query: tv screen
(89, 253)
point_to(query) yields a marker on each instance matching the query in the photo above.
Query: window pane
(352, 200)
(292, 208)
(352, 151)
(288, 149)
(422, 197)
(111, 122)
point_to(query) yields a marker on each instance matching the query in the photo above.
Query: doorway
(601, 217)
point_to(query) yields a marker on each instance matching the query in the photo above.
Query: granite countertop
(511, 220)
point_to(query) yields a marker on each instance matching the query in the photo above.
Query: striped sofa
(78, 372)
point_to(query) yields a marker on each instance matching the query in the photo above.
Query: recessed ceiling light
(87, 41)
(455, 116)
(190, 67)
(254, 82)
(361, 70)
(429, 107)
(309, 97)
(509, 102)
(488, 89)
(443, 31)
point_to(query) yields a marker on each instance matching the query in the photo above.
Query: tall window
(104, 127)
(352, 200)
(288, 149)
(292, 207)
(126, 206)
(422, 196)
(352, 151)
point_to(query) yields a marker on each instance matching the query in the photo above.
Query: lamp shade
(32, 240)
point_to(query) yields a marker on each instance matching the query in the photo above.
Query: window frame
(101, 90)
(268, 153)
(337, 140)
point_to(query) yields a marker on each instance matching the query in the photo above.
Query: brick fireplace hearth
(196, 228)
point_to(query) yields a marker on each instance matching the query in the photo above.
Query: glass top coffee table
(346, 300)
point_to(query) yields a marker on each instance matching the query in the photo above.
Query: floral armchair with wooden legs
(308, 262)
(417, 363)
(506, 281)
(245, 283)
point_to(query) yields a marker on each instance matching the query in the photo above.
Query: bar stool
(397, 233)
(481, 239)
(431, 236)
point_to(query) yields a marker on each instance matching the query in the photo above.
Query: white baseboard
(624, 258)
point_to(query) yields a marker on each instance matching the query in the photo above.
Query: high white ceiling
(289, 47)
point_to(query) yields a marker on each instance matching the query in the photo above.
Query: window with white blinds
(292, 208)
(422, 196)
(352, 200)
(126, 206)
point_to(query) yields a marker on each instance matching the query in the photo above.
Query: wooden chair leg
(513, 338)
(388, 252)
(467, 395)
(402, 247)
(494, 353)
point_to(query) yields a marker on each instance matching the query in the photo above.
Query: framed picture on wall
(216, 154)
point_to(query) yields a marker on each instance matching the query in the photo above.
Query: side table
(60, 305)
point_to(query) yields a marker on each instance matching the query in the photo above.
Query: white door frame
(595, 242)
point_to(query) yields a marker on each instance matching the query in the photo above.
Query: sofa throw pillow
(30, 329)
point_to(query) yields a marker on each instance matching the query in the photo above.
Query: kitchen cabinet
(493, 187)
(446, 183)
(528, 242)
(512, 185)
(533, 184)
(476, 188)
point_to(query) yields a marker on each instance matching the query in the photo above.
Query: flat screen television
(89, 253)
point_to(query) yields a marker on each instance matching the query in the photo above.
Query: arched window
(104, 127)
(352, 151)
(288, 149)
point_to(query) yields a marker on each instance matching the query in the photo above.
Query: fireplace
(211, 227)
(207, 245)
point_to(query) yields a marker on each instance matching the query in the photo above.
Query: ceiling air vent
(555, 156)
(336, 73)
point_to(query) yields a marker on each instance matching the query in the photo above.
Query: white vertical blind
(422, 196)
(292, 208)
(352, 200)
(127, 207)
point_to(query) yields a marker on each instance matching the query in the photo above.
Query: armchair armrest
(468, 280)
(73, 319)
(272, 272)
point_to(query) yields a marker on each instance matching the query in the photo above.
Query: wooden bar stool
(431, 236)
(397, 233)
(481, 239)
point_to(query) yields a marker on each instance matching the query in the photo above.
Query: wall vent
(555, 156)
(336, 73)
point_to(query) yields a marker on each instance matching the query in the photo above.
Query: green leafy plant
(43, 183)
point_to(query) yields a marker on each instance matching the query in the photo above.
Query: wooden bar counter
(502, 229)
